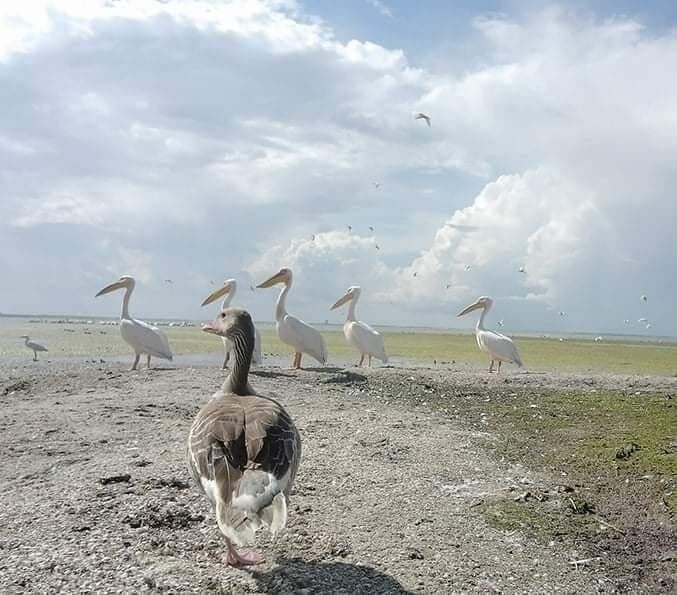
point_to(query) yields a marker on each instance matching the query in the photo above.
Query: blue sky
(197, 140)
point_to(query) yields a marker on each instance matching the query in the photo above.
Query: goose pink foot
(242, 557)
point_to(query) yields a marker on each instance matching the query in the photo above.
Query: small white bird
(521, 270)
(562, 313)
(643, 320)
(422, 116)
(33, 346)
(599, 339)
(467, 267)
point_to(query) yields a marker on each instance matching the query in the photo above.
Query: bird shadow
(324, 369)
(270, 374)
(293, 574)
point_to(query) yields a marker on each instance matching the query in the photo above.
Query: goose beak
(209, 328)
(470, 308)
(112, 287)
(278, 277)
(346, 298)
(221, 291)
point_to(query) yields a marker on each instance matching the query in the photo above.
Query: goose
(243, 449)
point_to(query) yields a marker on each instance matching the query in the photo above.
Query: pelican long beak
(278, 277)
(346, 298)
(221, 291)
(470, 308)
(112, 287)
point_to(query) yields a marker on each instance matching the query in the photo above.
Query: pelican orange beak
(474, 306)
(279, 277)
(346, 298)
(221, 291)
(112, 287)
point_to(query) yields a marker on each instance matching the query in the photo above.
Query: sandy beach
(406, 485)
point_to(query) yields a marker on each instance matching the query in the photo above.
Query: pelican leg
(491, 366)
(225, 361)
(297, 360)
(148, 363)
(298, 366)
(361, 361)
(370, 360)
(136, 361)
(499, 365)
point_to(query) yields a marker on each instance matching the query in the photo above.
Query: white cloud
(224, 130)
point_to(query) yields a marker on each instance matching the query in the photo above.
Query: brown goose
(243, 448)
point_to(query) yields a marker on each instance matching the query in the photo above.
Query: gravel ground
(96, 495)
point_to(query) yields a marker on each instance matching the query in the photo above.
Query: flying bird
(350, 228)
(243, 449)
(371, 228)
(500, 322)
(497, 346)
(377, 185)
(359, 334)
(34, 346)
(292, 331)
(467, 267)
(229, 289)
(169, 281)
(312, 237)
(377, 247)
(140, 336)
(422, 116)
(415, 274)
(562, 313)
(644, 298)
(521, 270)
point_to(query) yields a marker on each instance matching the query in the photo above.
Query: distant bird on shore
(292, 331)
(34, 346)
(243, 449)
(599, 339)
(169, 281)
(140, 336)
(359, 334)
(422, 116)
(229, 289)
(499, 347)
(644, 298)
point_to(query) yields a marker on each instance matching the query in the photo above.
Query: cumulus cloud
(190, 132)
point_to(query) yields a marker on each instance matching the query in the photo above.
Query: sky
(198, 140)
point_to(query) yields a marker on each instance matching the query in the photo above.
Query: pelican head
(24, 337)
(282, 276)
(228, 286)
(234, 324)
(481, 302)
(352, 294)
(124, 282)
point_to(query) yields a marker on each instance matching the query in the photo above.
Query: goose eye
(223, 314)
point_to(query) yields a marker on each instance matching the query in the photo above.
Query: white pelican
(302, 337)
(498, 346)
(140, 336)
(359, 334)
(229, 289)
(422, 116)
(33, 346)
(243, 448)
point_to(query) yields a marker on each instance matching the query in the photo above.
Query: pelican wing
(499, 346)
(145, 338)
(365, 339)
(36, 346)
(302, 337)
